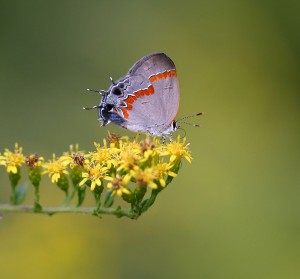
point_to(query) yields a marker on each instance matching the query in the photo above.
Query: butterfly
(145, 100)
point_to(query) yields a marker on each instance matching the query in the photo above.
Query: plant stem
(36, 195)
(13, 196)
(69, 209)
(149, 202)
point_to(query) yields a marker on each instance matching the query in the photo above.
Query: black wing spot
(116, 91)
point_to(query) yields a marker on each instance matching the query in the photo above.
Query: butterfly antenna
(94, 107)
(184, 132)
(98, 91)
(191, 124)
(112, 81)
(189, 116)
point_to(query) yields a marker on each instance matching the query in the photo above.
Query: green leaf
(109, 199)
(146, 204)
(139, 193)
(81, 195)
(97, 195)
(20, 194)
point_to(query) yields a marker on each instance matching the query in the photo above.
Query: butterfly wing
(152, 95)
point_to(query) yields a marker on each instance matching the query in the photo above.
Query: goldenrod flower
(119, 166)
(12, 160)
(177, 150)
(162, 170)
(114, 139)
(34, 161)
(95, 174)
(118, 185)
(55, 169)
(133, 146)
(73, 158)
(146, 177)
(104, 155)
(128, 160)
(148, 148)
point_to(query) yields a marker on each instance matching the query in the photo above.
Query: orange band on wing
(125, 113)
(164, 75)
(145, 92)
(171, 73)
(132, 98)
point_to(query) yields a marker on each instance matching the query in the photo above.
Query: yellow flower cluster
(119, 161)
(12, 160)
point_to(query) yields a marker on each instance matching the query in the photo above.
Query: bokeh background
(235, 211)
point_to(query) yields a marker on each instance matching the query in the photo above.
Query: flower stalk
(119, 171)
(34, 161)
(14, 180)
(69, 209)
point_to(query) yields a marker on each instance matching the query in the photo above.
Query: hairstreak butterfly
(145, 100)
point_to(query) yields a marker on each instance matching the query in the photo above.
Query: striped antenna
(98, 91)
(112, 81)
(94, 107)
(187, 117)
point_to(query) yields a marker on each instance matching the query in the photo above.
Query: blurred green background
(234, 212)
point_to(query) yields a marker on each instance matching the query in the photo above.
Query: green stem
(147, 203)
(14, 180)
(69, 198)
(36, 194)
(69, 209)
(37, 207)
(13, 196)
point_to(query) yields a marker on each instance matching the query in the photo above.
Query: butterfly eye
(117, 91)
